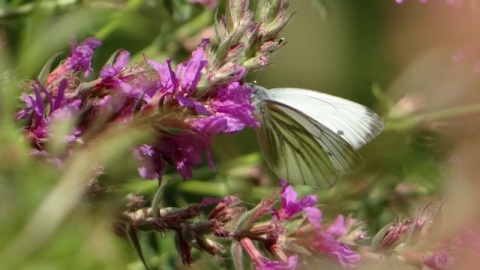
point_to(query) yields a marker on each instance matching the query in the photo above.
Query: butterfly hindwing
(301, 150)
(343, 156)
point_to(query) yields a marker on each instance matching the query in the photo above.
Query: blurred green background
(413, 64)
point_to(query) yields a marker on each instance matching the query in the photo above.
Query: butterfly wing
(353, 122)
(300, 149)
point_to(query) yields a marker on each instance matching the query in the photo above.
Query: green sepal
(158, 198)
(43, 75)
(112, 58)
(247, 219)
(383, 99)
(138, 104)
(237, 255)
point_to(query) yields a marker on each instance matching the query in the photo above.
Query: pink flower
(290, 264)
(39, 118)
(291, 206)
(80, 59)
(324, 241)
(223, 109)
(438, 261)
(448, 2)
(182, 151)
(262, 263)
(327, 243)
(230, 103)
(211, 4)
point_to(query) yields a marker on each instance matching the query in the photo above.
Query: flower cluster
(448, 2)
(272, 236)
(121, 94)
(183, 106)
(426, 241)
(286, 232)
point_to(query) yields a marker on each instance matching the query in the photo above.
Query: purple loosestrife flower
(438, 261)
(448, 2)
(53, 100)
(125, 87)
(262, 263)
(290, 264)
(231, 110)
(327, 243)
(197, 116)
(80, 60)
(211, 4)
(42, 110)
(324, 241)
(184, 106)
(183, 151)
(110, 74)
(290, 205)
(183, 119)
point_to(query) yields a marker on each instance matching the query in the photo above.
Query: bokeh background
(416, 65)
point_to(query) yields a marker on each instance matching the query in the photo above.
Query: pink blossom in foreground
(448, 2)
(438, 261)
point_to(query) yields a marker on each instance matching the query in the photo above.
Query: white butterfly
(309, 137)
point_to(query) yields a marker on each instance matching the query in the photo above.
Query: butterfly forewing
(342, 155)
(351, 121)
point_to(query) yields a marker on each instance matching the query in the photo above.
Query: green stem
(25, 9)
(433, 116)
(116, 21)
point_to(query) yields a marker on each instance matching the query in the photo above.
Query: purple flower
(326, 242)
(81, 55)
(211, 4)
(184, 119)
(291, 206)
(290, 264)
(448, 2)
(111, 74)
(231, 111)
(39, 119)
(151, 161)
(261, 263)
(182, 151)
(438, 261)
(183, 83)
(199, 116)
(79, 61)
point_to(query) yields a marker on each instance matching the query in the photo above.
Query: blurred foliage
(373, 52)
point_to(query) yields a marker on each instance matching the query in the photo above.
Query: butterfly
(309, 137)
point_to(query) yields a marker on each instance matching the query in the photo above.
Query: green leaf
(180, 10)
(134, 240)
(322, 7)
